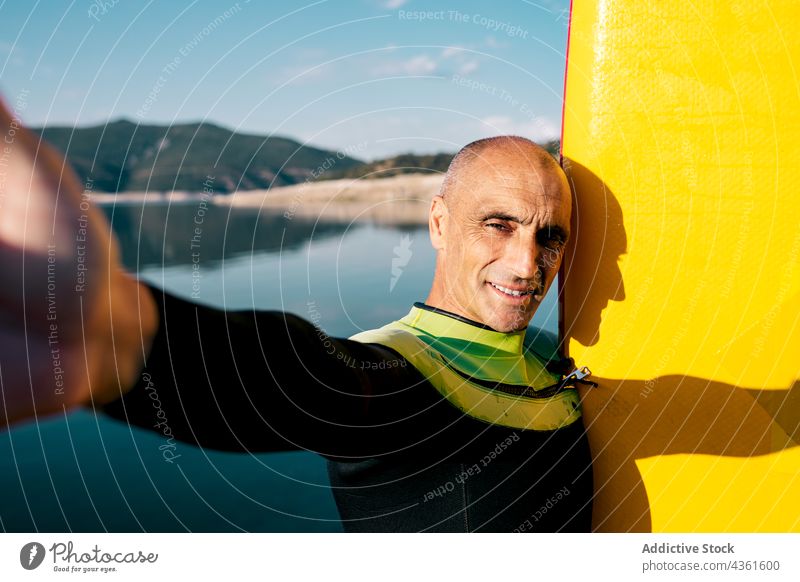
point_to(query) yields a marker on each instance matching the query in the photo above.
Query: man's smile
(516, 294)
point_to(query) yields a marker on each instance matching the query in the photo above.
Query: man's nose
(523, 259)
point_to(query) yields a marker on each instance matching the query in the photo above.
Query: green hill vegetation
(124, 156)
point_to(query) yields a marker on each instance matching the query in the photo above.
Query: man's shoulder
(395, 335)
(388, 330)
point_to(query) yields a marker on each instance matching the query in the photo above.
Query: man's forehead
(515, 177)
(514, 201)
(527, 206)
(508, 175)
(511, 170)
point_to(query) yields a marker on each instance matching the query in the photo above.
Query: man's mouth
(518, 293)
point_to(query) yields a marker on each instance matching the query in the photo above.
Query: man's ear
(437, 221)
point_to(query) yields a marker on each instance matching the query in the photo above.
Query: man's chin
(509, 327)
(506, 321)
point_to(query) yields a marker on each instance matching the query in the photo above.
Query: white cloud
(462, 59)
(392, 4)
(451, 51)
(492, 43)
(450, 59)
(468, 67)
(419, 65)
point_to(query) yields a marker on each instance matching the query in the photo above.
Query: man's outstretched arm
(268, 380)
(229, 380)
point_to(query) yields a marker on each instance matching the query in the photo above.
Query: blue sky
(374, 77)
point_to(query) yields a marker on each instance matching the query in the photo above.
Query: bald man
(453, 418)
(499, 224)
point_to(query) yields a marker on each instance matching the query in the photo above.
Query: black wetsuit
(400, 457)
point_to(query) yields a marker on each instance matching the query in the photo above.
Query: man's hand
(74, 327)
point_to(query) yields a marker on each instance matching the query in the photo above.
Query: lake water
(85, 472)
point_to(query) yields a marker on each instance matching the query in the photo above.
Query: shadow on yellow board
(681, 287)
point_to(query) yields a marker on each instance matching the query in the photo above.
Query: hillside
(406, 164)
(389, 167)
(123, 156)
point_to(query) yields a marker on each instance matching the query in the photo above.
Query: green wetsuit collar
(439, 323)
(492, 376)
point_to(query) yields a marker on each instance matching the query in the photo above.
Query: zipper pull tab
(579, 375)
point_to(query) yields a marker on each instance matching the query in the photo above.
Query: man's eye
(498, 226)
(550, 242)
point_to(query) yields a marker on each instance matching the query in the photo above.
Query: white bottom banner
(363, 557)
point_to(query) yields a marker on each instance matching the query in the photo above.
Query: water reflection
(351, 277)
(160, 234)
(355, 276)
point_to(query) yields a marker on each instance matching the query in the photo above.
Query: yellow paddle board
(681, 289)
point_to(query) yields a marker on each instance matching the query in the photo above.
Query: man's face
(501, 241)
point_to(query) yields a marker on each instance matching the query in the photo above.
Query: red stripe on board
(564, 92)
(561, 271)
